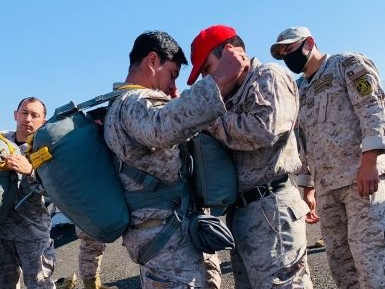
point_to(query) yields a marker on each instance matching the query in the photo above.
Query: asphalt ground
(119, 270)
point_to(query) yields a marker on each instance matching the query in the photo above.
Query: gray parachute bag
(9, 180)
(76, 169)
(215, 177)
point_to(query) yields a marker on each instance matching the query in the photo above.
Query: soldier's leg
(10, 271)
(366, 226)
(90, 256)
(334, 230)
(37, 262)
(212, 271)
(179, 265)
(241, 278)
(270, 237)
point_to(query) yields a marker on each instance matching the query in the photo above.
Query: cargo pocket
(298, 209)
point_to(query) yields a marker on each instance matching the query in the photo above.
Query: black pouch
(210, 234)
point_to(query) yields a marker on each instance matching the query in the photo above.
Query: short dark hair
(32, 99)
(235, 41)
(160, 42)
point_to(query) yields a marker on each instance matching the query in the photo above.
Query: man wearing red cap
(143, 128)
(268, 218)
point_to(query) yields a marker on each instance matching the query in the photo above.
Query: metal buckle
(179, 217)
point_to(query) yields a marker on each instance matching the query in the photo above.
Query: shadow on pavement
(128, 283)
(63, 235)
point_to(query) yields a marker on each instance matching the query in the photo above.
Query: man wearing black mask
(343, 119)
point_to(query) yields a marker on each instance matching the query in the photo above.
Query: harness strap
(156, 245)
(148, 181)
(159, 195)
(144, 199)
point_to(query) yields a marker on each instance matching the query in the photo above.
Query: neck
(314, 63)
(20, 137)
(138, 79)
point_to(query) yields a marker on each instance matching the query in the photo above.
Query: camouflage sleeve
(270, 106)
(167, 125)
(367, 97)
(304, 176)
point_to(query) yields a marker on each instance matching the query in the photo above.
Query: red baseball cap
(202, 45)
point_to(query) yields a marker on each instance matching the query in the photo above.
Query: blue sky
(75, 49)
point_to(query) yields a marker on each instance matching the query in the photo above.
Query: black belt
(260, 191)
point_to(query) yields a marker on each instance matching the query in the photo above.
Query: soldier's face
(29, 117)
(165, 76)
(210, 65)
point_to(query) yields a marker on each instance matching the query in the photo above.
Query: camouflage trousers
(270, 240)
(90, 255)
(179, 265)
(213, 276)
(36, 260)
(353, 231)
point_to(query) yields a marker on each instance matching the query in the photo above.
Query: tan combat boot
(67, 283)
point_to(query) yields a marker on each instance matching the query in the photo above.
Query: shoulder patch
(363, 86)
(356, 75)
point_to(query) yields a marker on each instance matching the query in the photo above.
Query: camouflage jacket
(31, 221)
(258, 125)
(342, 116)
(143, 128)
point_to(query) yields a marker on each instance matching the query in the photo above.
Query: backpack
(76, 169)
(9, 180)
(215, 179)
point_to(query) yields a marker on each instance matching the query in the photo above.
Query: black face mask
(295, 60)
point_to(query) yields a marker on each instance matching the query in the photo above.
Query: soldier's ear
(309, 43)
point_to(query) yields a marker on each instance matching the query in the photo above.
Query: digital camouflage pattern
(355, 245)
(143, 128)
(270, 234)
(90, 255)
(342, 115)
(25, 237)
(258, 126)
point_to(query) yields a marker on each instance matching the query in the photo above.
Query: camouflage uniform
(25, 241)
(270, 233)
(90, 255)
(143, 128)
(342, 115)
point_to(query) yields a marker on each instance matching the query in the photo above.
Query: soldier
(143, 128)
(90, 258)
(25, 243)
(268, 218)
(343, 119)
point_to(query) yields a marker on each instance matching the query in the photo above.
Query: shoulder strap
(71, 107)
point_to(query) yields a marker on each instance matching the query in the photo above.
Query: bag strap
(149, 182)
(162, 197)
(71, 107)
(144, 199)
(11, 149)
(156, 245)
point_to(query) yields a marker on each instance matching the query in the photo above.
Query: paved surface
(119, 270)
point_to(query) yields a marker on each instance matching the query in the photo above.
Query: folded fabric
(210, 234)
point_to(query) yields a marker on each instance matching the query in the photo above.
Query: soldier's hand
(231, 66)
(309, 198)
(367, 177)
(19, 164)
